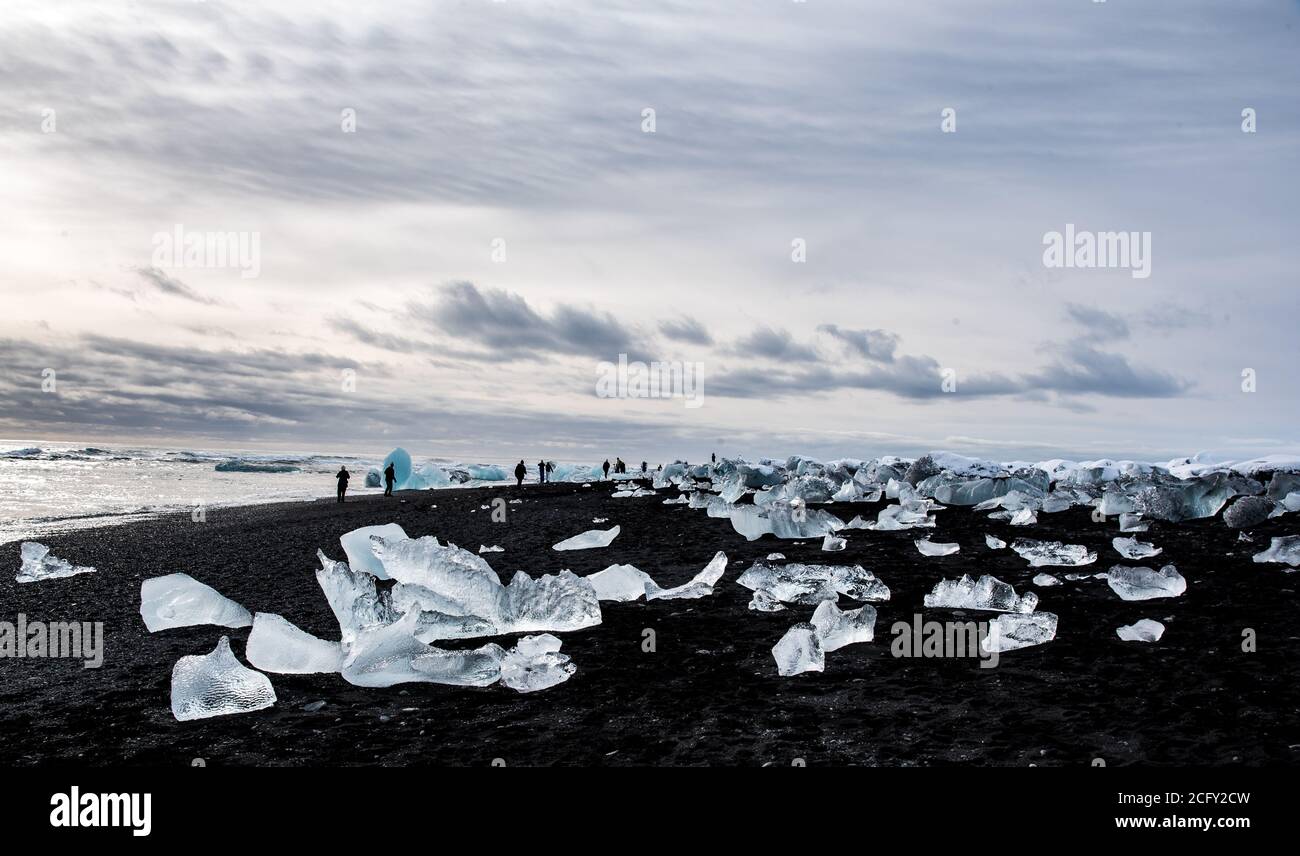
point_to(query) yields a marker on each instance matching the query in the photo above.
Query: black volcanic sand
(709, 693)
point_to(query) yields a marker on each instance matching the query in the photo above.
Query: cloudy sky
(463, 207)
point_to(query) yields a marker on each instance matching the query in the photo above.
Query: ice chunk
(1144, 630)
(1247, 511)
(799, 651)
(353, 598)
(494, 549)
(1045, 580)
(401, 461)
(588, 540)
(620, 583)
(995, 543)
(764, 602)
(389, 655)
(1131, 522)
(783, 519)
(38, 565)
(811, 584)
(987, 592)
(682, 499)
(1132, 548)
(1144, 583)
(775, 557)
(832, 544)
(1043, 553)
(701, 586)
(357, 546)
(1010, 632)
(535, 663)
(277, 645)
(931, 548)
(217, 684)
(1024, 517)
(179, 600)
(837, 628)
(1285, 549)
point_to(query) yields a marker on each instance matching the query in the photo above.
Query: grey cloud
(872, 344)
(1102, 325)
(687, 330)
(771, 344)
(166, 284)
(1082, 369)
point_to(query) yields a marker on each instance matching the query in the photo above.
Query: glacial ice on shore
(1011, 632)
(591, 539)
(700, 586)
(1285, 549)
(353, 597)
(1045, 580)
(931, 548)
(837, 628)
(622, 583)
(1142, 630)
(833, 544)
(988, 592)
(359, 550)
(995, 543)
(387, 655)
(39, 565)
(217, 684)
(798, 651)
(1132, 548)
(811, 584)
(1053, 553)
(784, 520)
(535, 663)
(1144, 583)
(277, 645)
(1132, 522)
(179, 600)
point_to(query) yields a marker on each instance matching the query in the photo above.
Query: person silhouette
(605, 467)
(714, 456)
(390, 476)
(343, 476)
(520, 471)
(619, 466)
(541, 472)
(643, 466)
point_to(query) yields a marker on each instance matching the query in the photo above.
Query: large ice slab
(39, 565)
(798, 651)
(1144, 583)
(700, 586)
(354, 598)
(1143, 630)
(621, 583)
(783, 519)
(1285, 549)
(811, 584)
(591, 539)
(276, 644)
(179, 600)
(358, 547)
(1010, 632)
(217, 684)
(988, 592)
(1053, 553)
(388, 655)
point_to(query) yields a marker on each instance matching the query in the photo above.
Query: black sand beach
(709, 694)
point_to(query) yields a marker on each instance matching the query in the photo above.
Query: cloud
(1102, 325)
(770, 344)
(687, 330)
(871, 344)
(1082, 369)
(173, 287)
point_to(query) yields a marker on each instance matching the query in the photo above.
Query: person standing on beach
(541, 472)
(390, 476)
(343, 476)
(606, 468)
(714, 456)
(643, 466)
(520, 472)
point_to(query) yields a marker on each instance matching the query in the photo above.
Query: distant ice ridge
(39, 565)
(1144, 583)
(987, 592)
(217, 684)
(179, 600)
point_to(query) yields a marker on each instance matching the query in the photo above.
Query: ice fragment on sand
(179, 600)
(358, 547)
(1043, 553)
(987, 592)
(775, 557)
(619, 583)
(388, 655)
(811, 584)
(832, 544)
(216, 684)
(277, 645)
(1045, 580)
(1285, 549)
(535, 663)
(799, 651)
(38, 565)
(353, 598)
(1144, 583)
(931, 548)
(1132, 522)
(493, 549)
(700, 586)
(1144, 630)
(837, 628)
(764, 602)
(995, 543)
(1132, 548)
(588, 540)
(1011, 632)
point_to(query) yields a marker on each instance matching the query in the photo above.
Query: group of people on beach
(544, 470)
